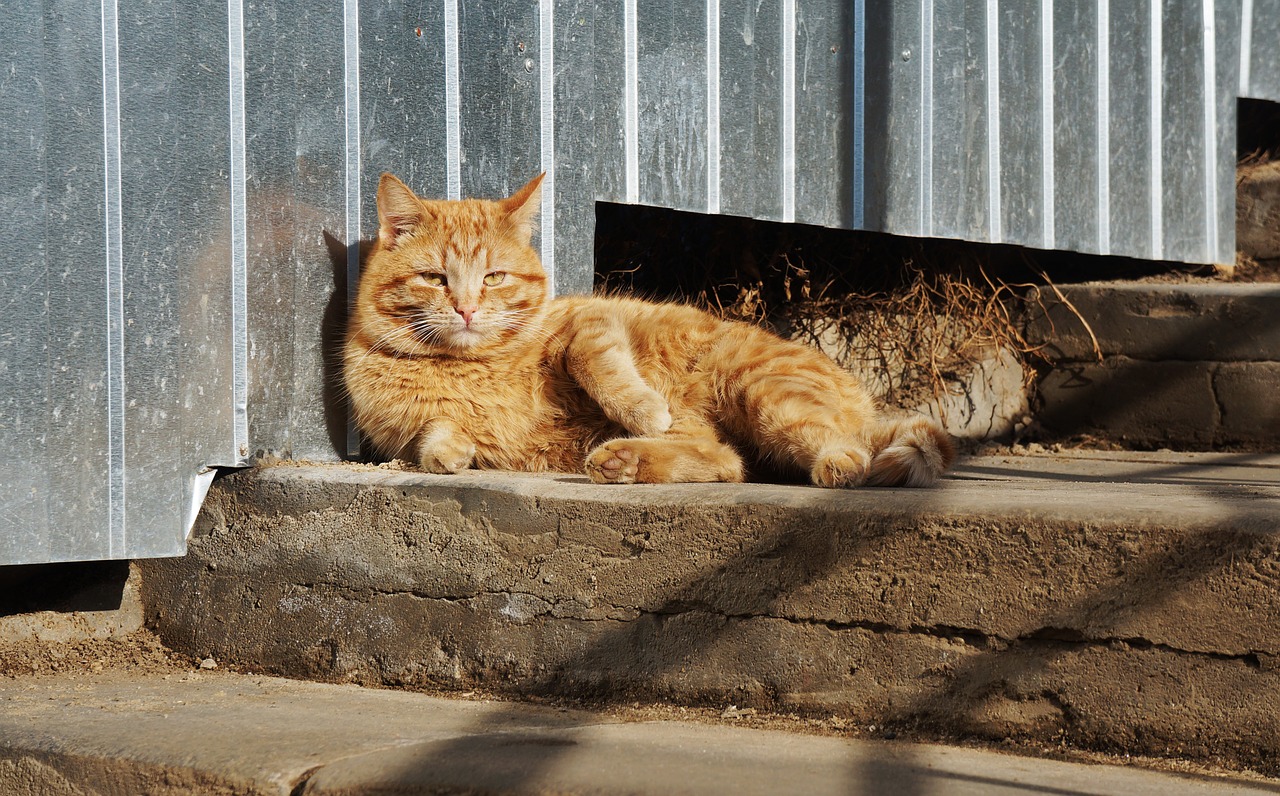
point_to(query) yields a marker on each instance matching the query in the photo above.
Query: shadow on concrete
(1206, 474)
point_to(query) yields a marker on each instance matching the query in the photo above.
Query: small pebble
(208, 663)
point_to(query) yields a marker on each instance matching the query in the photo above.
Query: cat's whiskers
(396, 334)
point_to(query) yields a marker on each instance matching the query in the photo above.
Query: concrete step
(1118, 602)
(215, 733)
(1192, 366)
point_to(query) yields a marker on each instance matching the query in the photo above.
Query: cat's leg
(600, 359)
(798, 408)
(441, 447)
(803, 410)
(689, 453)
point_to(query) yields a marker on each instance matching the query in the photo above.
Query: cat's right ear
(399, 210)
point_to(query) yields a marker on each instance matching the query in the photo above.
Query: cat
(456, 358)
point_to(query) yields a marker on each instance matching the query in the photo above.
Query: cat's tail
(909, 451)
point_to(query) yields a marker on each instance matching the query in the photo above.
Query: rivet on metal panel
(906, 55)
(528, 64)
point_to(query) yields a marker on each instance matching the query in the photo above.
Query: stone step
(1112, 601)
(213, 734)
(1161, 365)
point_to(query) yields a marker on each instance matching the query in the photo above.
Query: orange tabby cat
(455, 358)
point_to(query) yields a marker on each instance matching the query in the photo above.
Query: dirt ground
(140, 653)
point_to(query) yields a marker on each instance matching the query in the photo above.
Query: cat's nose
(466, 313)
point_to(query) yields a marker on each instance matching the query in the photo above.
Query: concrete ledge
(224, 735)
(1125, 604)
(1188, 366)
(1217, 322)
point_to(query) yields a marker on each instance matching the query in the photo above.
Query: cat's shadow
(333, 335)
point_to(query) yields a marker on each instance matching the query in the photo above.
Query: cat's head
(454, 277)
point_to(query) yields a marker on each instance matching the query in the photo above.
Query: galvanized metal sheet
(897, 183)
(150, 376)
(85, 489)
(1260, 50)
(751, 112)
(571, 151)
(24, 276)
(403, 67)
(1130, 127)
(498, 89)
(827, 113)
(1026, 196)
(199, 185)
(296, 218)
(671, 91)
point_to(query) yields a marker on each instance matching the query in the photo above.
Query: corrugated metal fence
(183, 184)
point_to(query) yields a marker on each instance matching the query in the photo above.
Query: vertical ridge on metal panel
(1209, 55)
(547, 130)
(1156, 122)
(1246, 46)
(859, 113)
(994, 215)
(351, 113)
(926, 117)
(452, 102)
(1104, 126)
(788, 110)
(630, 110)
(113, 229)
(1046, 123)
(239, 239)
(713, 106)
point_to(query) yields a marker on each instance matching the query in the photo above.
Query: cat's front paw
(613, 463)
(444, 452)
(647, 415)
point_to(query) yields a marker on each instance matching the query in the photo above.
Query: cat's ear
(399, 210)
(522, 207)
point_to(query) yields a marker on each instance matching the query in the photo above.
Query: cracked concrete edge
(1200, 404)
(50, 772)
(1197, 589)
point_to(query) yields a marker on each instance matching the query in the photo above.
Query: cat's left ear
(523, 206)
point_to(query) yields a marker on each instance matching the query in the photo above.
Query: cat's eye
(433, 280)
(494, 278)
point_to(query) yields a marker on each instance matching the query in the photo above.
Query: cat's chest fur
(512, 409)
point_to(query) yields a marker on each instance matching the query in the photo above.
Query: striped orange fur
(455, 358)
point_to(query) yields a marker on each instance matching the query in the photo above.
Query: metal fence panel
(84, 442)
(187, 186)
(1130, 132)
(1021, 120)
(1260, 50)
(150, 374)
(25, 328)
(295, 204)
(751, 143)
(828, 40)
